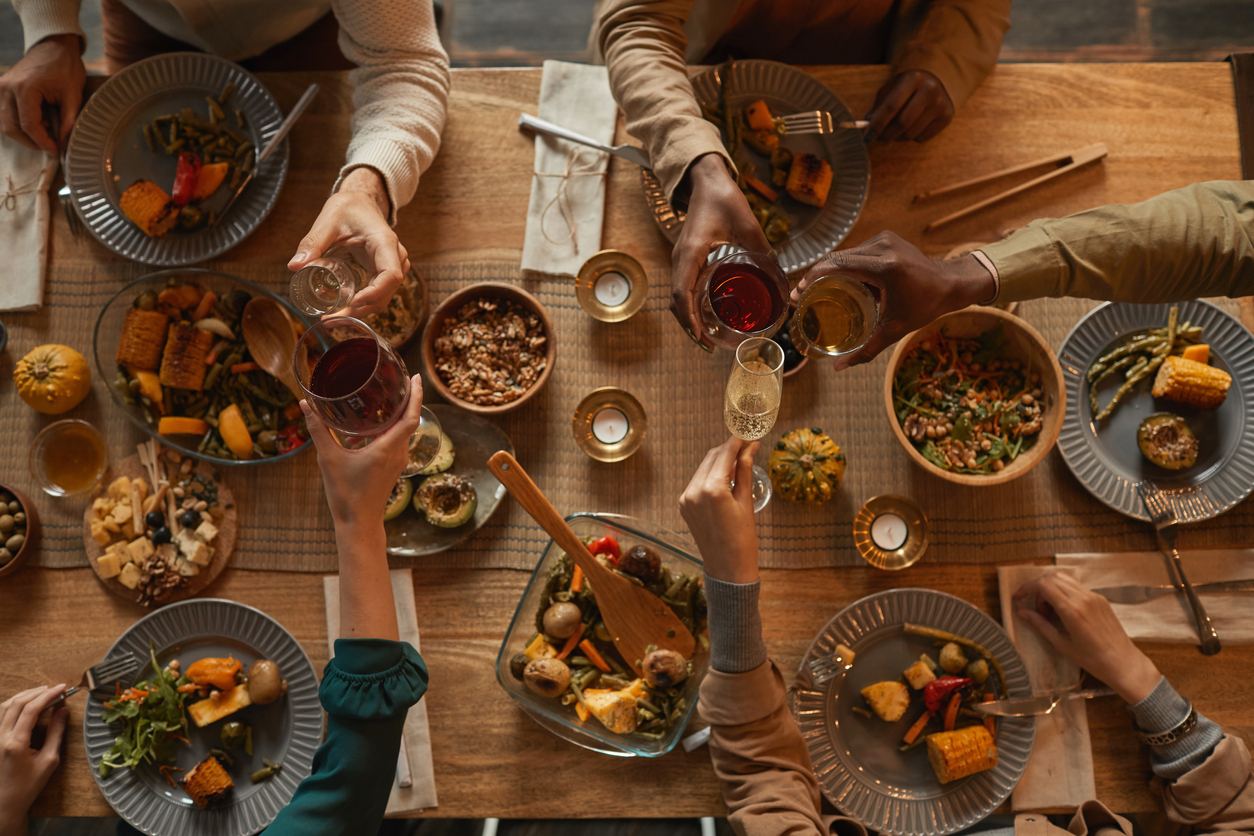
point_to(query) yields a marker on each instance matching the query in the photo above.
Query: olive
(264, 684)
(547, 677)
(267, 440)
(5, 556)
(5, 497)
(562, 620)
(189, 518)
(15, 542)
(664, 668)
(19, 518)
(233, 734)
(642, 562)
(161, 535)
(517, 664)
(7, 523)
(155, 519)
(146, 300)
(14, 507)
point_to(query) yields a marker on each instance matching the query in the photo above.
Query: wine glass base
(762, 490)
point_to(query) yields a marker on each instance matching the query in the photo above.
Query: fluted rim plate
(856, 759)
(815, 231)
(107, 153)
(1105, 458)
(287, 731)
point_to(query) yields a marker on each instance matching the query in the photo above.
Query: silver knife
(628, 152)
(1032, 706)
(1141, 594)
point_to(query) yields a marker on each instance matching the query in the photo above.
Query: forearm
(13, 823)
(958, 42)
(364, 581)
(42, 19)
(369, 182)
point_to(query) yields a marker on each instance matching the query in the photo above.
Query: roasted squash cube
(809, 179)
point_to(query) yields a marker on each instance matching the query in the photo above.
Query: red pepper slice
(185, 178)
(607, 546)
(936, 692)
(288, 438)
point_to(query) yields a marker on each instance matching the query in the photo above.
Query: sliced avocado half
(1166, 440)
(443, 460)
(447, 499)
(402, 491)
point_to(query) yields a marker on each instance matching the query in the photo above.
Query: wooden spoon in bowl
(268, 332)
(635, 617)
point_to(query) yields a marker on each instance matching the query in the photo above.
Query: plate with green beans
(135, 127)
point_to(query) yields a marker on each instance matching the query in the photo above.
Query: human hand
(721, 520)
(1081, 625)
(24, 771)
(358, 482)
(357, 217)
(717, 214)
(913, 290)
(51, 71)
(911, 105)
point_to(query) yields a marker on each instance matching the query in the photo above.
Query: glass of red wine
(359, 386)
(742, 294)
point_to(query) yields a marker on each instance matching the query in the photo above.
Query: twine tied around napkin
(11, 194)
(562, 201)
(24, 224)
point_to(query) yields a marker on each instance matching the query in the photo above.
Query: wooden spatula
(635, 617)
(267, 330)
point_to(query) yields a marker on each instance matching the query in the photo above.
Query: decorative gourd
(806, 466)
(53, 379)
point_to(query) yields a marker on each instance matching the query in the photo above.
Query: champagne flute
(751, 401)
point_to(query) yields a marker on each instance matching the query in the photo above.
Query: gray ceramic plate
(856, 759)
(1105, 458)
(474, 440)
(815, 231)
(287, 731)
(107, 153)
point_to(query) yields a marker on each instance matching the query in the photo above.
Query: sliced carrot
(951, 711)
(576, 580)
(206, 303)
(240, 368)
(582, 711)
(571, 643)
(761, 188)
(989, 722)
(212, 356)
(292, 411)
(593, 655)
(188, 688)
(918, 727)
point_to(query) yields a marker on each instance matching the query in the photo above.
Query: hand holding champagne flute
(751, 402)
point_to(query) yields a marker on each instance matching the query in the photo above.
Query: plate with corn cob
(1137, 373)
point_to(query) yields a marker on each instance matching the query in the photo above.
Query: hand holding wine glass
(751, 401)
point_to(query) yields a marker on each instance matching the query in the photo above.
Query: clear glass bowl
(561, 719)
(50, 435)
(109, 329)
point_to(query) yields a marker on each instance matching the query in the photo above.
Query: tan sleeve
(1218, 796)
(45, 18)
(643, 43)
(1195, 241)
(958, 41)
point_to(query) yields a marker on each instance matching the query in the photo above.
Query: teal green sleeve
(1191, 242)
(366, 690)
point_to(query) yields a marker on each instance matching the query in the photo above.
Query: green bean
(204, 442)
(265, 396)
(211, 420)
(579, 661)
(215, 110)
(1143, 343)
(1145, 372)
(1136, 367)
(175, 146)
(215, 371)
(1121, 363)
(272, 419)
(673, 590)
(647, 704)
(239, 118)
(226, 92)
(148, 138)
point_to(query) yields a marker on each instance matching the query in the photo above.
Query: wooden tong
(1079, 157)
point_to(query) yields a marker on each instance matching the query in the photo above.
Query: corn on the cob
(183, 365)
(962, 752)
(809, 179)
(149, 208)
(143, 335)
(1191, 382)
(208, 783)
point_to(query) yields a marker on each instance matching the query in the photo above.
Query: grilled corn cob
(183, 365)
(809, 179)
(1191, 382)
(962, 752)
(207, 783)
(149, 208)
(143, 335)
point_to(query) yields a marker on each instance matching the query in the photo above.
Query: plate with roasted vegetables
(1157, 392)
(171, 346)
(806, 190)
(894, 741)
(558, 660)
(218, 727)
(158, 151)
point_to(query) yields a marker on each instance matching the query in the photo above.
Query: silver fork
(121, 669)
(824, 668)
(77, 229)
(1164, 519)
(816, 122)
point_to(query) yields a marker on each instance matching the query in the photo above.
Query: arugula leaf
(962, 428)
(1009, 420)
(150, 723)
(991, 343)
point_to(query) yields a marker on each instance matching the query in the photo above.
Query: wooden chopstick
(1079, 157)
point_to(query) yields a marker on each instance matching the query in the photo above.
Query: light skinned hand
(718, 213)
(25, 771)
(1081, 625)
(356, 217)
(51, 71)
(358, 482)
(911, 105)
(721, 520)
(912, 290)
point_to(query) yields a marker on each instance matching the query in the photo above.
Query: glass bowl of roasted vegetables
(558, 661)
(171, 347)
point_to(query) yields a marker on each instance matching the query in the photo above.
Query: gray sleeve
(1164, 709)
(735, 626)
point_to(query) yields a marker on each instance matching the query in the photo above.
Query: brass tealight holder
(611, 286)
(890, 532)
(609, 424)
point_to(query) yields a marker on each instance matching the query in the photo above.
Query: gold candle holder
(609, 424)
(611, 286)
(890, 532)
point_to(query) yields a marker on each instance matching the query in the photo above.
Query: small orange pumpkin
(52, 379)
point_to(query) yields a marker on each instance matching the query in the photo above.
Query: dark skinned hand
(50, 72)
(911, 105)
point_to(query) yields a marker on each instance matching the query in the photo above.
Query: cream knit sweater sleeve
(45, 18)
(400, 90)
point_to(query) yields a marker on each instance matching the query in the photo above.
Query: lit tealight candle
(889, 532)
(611, 289)
(610, 425)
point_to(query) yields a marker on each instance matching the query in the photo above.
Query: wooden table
(1166, 126)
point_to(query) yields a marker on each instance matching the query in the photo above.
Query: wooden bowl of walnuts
(18, 519)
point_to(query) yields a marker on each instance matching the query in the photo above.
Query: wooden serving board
(223, 544)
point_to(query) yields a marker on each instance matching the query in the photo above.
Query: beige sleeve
(1218, 796)
(45, 18)
(400, 90)
(958, 42)
(643, 44)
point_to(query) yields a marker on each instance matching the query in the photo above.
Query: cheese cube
(206, 531)
(108, 565)
(121, 512)
(119, 551)
(120, 487)
(140, 549)
(186, 541)
(167, 553)
(129, 577)
(99, 533)
(202, 555)
(188, 569)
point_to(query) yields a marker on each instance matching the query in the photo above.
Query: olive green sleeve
(1195, 241)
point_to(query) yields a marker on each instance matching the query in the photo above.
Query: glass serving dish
(561, 720)
(109, 329)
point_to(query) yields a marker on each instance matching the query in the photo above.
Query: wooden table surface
(1166, 126)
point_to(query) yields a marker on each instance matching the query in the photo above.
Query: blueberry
(190, 519)
(161, 535)
(155, 519)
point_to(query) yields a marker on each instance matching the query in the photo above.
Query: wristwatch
(1172, 734)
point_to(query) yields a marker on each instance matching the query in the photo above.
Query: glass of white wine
(836, 315)
(751, 403)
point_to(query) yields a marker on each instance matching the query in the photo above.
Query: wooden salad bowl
(1023, 343)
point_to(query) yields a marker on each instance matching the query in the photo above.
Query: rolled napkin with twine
(568, 184)
(25, 176)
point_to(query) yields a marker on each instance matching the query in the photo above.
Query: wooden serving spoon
(635, 617)
(268, 332)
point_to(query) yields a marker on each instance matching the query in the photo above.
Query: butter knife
(1141, 594)
(1033, 706)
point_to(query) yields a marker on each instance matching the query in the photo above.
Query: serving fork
(1164, 519)
(816, 122)
(120, 669)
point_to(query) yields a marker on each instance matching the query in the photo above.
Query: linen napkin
(416, 738)
(568, 185)
(25, 176)
(1169, 619)
(1059, 775)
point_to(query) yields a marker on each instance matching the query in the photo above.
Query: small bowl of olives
(19, 529)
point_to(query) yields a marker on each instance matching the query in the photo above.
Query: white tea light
(610, 425)
(612, 289)
(889, 532)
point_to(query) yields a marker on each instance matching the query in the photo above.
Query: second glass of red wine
(742, 294)
(359, 386)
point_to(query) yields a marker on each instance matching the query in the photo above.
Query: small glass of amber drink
(68, 458)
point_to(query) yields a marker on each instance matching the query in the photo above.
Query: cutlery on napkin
(1035, 706)
(25, 176)
(1141, 594)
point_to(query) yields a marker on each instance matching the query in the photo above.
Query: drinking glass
(328, 283)
(68, 458)
(836, 315)
(751, 402)
(742, 294)
(359, 386)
